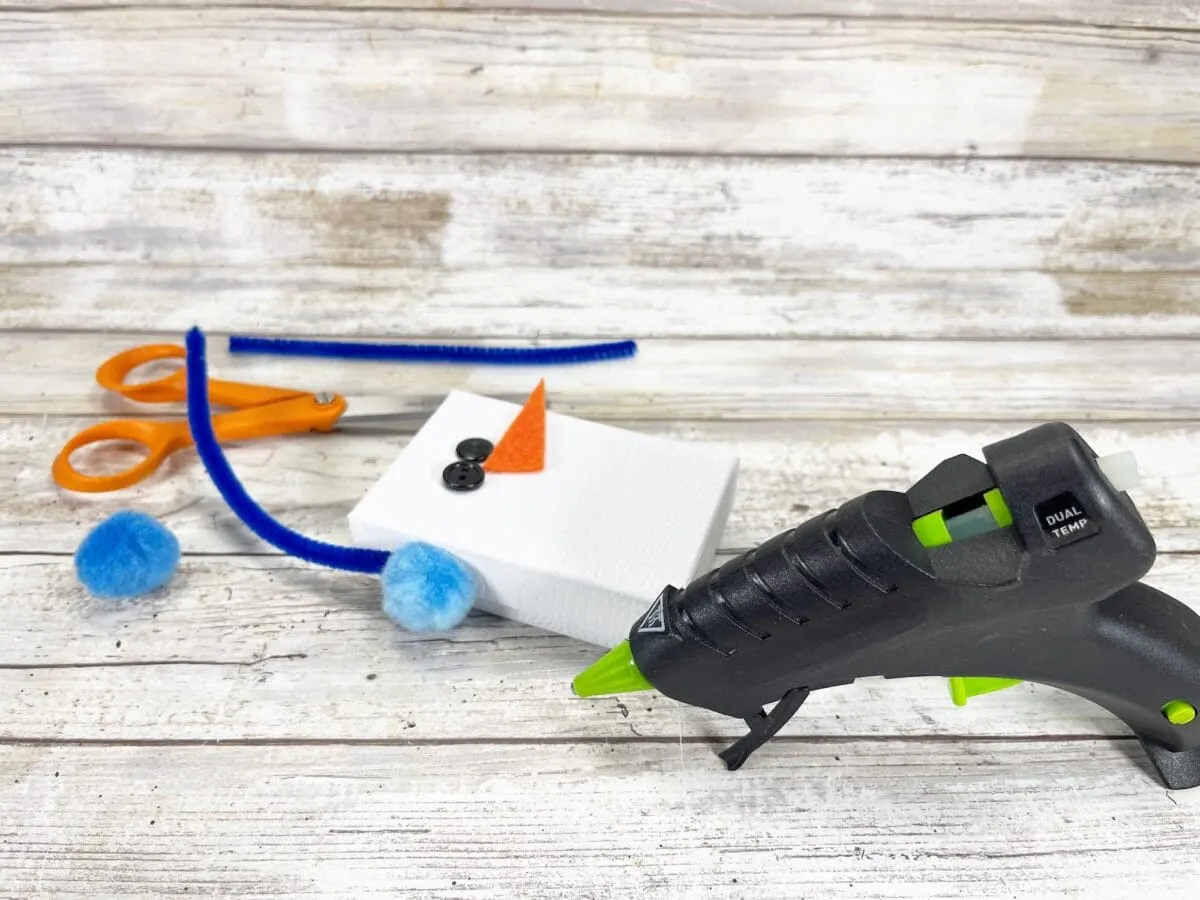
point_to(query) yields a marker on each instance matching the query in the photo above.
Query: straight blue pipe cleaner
(258, 520)
(499, 356)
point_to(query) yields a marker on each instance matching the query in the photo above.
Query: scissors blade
(391, 415)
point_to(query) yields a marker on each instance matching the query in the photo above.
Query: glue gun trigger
(763, 726)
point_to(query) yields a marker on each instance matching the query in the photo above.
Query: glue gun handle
(1138, 655)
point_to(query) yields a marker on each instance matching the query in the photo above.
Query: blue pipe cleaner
(258, 520)
(498, 356)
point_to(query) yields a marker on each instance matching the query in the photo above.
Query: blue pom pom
(427, 589)
(126, 555)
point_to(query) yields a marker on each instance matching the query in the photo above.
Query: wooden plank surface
(851, 239)
(1159, 14)
(274, 650)
(378, 79)
(597, 245)
(678, 379)
(788, 472)
(679, 299)
(1025, 819)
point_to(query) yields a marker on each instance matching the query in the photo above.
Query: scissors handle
(161, 439)
(173, 388)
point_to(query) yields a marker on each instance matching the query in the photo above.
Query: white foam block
(581, 548)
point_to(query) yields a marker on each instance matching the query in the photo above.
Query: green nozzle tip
(613, 673)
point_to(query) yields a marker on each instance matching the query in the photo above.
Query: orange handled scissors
(261, 412)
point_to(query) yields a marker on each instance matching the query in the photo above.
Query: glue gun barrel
(613, 673)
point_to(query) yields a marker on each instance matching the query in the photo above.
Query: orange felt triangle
(523, 447)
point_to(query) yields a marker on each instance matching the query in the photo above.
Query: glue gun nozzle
(613, 673)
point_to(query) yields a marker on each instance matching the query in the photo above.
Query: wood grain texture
(789, 470)
(374, 79)
(862, 820)
(687, 380)
(597, 302)
(321, 167)
(1160, 14)
(274, 650)
(445, 245)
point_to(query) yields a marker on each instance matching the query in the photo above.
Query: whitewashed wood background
(852, 238)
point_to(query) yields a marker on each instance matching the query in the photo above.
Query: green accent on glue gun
(961, 689)
(931, 530)
(1179, 712)
(935, 530)
(1000, 511)
(613, 673)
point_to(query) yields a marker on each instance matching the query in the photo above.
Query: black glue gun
(1024, 567)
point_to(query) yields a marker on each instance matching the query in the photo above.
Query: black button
(474, 449)
(462, 476)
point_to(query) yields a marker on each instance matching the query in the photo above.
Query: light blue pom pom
(427, 589)
(126, 555)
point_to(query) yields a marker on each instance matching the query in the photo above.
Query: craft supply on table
(448, 353)
(1023, 567)
(425, 588)
(569, 530)
(522, 447)
(127, 555)
(262, 411)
